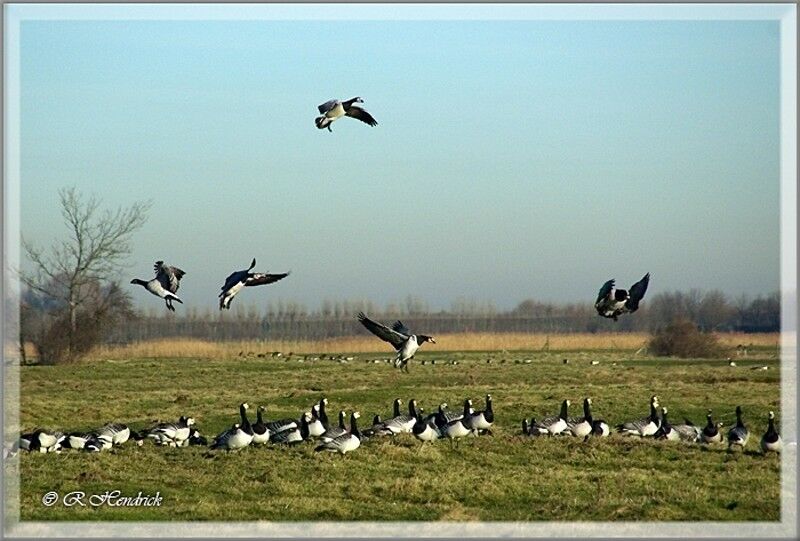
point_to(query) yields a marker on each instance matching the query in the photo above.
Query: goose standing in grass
(346, 442)
(771, 440)
(260, 430)
(315, 427)
(172, 434)
(711, 432)
(443, 416)
(398, 336)
(644, 427)
(424, 430)
(665, 430)
(165, 284)
(333, 110)
(240, 435)
(739, 434)
(244, 278)
(554, 425)
(481, 421)
(582, 427)
(455, 430)
(402, 423)
(336, 431)
(294, 435)
(612, 302)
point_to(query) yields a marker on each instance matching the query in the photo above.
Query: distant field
(191, 348)
(506, 477)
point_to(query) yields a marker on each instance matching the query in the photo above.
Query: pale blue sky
(512, 159)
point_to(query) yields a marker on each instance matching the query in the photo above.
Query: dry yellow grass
(193, 348)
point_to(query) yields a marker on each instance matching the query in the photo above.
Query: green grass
(506, 477)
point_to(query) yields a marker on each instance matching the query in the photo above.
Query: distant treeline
(710, 311)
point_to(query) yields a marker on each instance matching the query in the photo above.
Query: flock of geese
(610, 303)
(314, 425)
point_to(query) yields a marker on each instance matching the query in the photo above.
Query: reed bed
(195, 348)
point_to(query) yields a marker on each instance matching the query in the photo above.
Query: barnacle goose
(643, 427)
(711, 432)
(378, 428)
(600, 428)
(119, 433)
(424, 430)
(456, 429)
(333, 110)
(665, 430)
(315, 427)
(172, 434)
(336, 431)
(97, 443)
(771, 440)
(399, 337)
(196, 439)
(481, 421)
(260, 430)
(612, 302)
(244, 278)
(402, 423)
(294, 435)
(165, 284)
(42, 441)
(688, 431)
(582, 427)
(443, 416)
(238, 436)
(556, 424)
(738, 435)
(346, 442)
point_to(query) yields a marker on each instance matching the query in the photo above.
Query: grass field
(505, 477)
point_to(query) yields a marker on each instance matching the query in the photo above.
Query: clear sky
(512, 160)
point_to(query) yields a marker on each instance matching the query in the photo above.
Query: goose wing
(168, 277)
(402, 329)
(604, 292)
(383, 332)
(327, 106)
(637, 292)
(357, 112)
(261, 278)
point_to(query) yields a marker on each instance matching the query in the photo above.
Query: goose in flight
(612, 302)
(239, 279)
(399, 336)
(333, 110)
(165, 284)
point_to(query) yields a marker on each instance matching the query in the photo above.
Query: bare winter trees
(72, 290)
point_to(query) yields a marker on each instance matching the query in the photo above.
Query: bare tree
(75, 269)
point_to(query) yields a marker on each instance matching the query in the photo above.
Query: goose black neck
(563, 413)
(466, 408)
(771, 426)
(653, 412)
(412, 409)
(323, 416)
(587, 411)
(354, 427)
(259, 419)
(341, 421)
(488, 404)
(397, 408)
(739, 422)
(710, 423)
(245, 422)
(304, 427)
